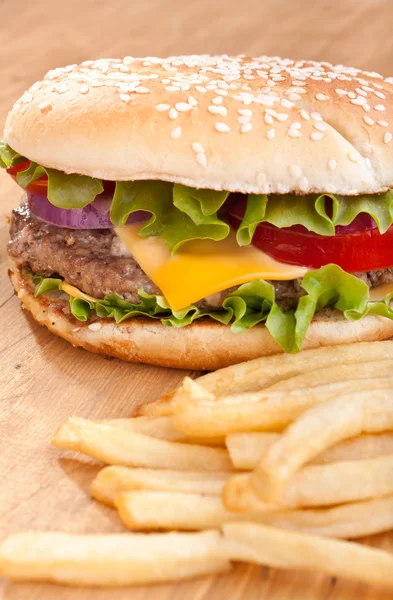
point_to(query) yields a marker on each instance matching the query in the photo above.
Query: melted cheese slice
(71, 290)
(379, 292)
(202, 267)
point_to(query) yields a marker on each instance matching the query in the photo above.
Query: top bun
(252, 125)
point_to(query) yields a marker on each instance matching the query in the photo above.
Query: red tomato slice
(37, 187)
(365, 250)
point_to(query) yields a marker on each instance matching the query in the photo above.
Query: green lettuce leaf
(318, 213)
(80, 308)
(32, 173)
(252, 303)
(46, 284)
(8, 156)
(64, 191)
(178, 214)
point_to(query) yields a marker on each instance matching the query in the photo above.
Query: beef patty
(96, 262)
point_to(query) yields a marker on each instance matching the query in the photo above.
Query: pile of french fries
(268, 461)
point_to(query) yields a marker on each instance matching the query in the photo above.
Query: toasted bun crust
(205, 345)
(260, 125)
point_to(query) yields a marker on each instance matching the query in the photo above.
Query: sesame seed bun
(205, 345)
(260, 125)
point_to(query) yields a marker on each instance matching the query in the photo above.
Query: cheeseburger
(196, 211)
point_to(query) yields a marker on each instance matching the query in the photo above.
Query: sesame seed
(171, 88)
(269, 119)
(351, 95)
(387, 137)
(243, 119)
(217, 100)
(304, 114)
(141, 90)
(201, 89)
(173, 114)
(294, 96)
(358, 101)
(271, 133)
(218, 110)
(183, 106)
(245, 112)
(366, 107)
(24, 108)
(352, 157)
(316, 116)
(246, 127)
(383, 123)
(368, 120)
(45, 106)
(332, 163)
(76, 329)
(282, 116)
(361, 92)
(84, 89)
(221, 92)
(294, 132)
(341, 92)
(192, 101)
(315, 136)
(286, 103)
(198, 148)
(379, 107)
(201, 159)
(303, 184)
(320, 126)
(222, 127)
(163, 107)
(176, 132)
(125, 97)
(95, 326)
(295, 171)
(322, 97)
(380, 95)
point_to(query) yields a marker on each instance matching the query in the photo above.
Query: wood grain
(43, 379)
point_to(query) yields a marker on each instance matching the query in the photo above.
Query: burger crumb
(70, 241)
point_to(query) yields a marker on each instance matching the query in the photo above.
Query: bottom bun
(205, 345)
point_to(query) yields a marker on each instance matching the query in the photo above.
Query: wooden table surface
(43, 379)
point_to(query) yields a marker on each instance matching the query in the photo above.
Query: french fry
(197, 413)
(261, 373)
(161, 428)
(247, 449)
(163, 407)
(338, 373)
(317, 429)
(110, 482)
(317, 485)
(112, 559)
(351, 520)
(116, 446)
(147, 510)
(274, 547)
